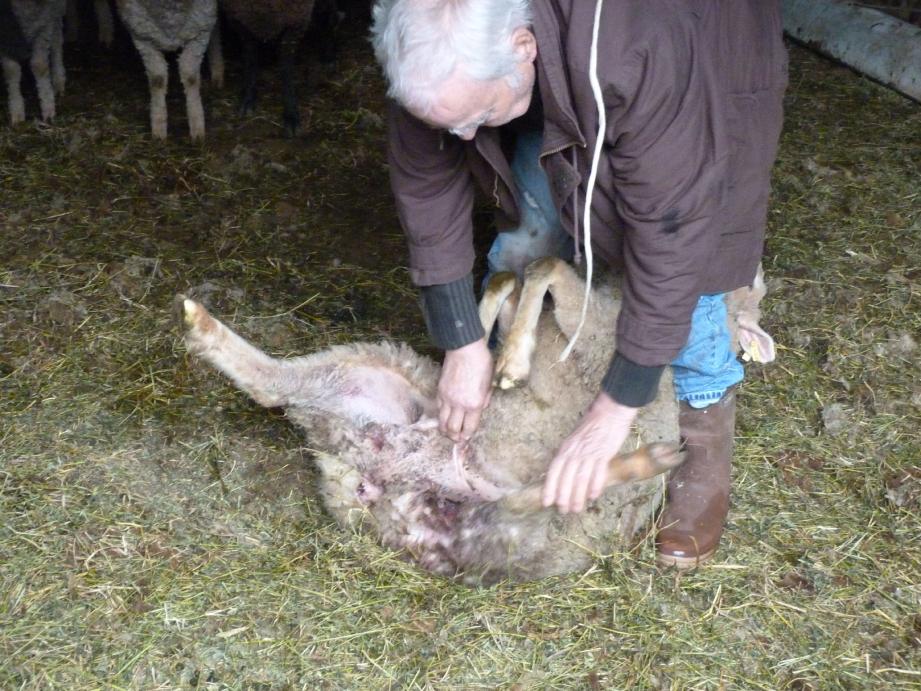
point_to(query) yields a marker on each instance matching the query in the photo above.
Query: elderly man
(691, 95)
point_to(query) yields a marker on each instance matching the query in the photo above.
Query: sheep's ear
(756, 343)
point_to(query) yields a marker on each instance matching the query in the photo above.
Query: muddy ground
(158, 530)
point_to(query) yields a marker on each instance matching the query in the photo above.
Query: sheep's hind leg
(58, 74)
(105, 22)
(216, 56)
(291, 117)
(513, 365)
(631, 466)
(259, 375)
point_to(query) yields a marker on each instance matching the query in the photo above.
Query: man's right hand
(464, 389)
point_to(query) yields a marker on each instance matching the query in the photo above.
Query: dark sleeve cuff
(631, 384)
(451, 313)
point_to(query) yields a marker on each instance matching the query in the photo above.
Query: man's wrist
(631, 384)
(451, 313)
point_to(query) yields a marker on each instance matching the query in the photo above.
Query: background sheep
(286, 23)
(33, 29)
(105, 22)
(159, 26)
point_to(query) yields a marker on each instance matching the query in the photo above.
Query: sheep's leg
(41, 70)
(290, 40)
(72, 19)
(216, 56)
(104, 22)
(250, 72)
(513, 365)
(323, 25)
(258, 374)
(158, 78)
(190, 73)
(58, 75)
(641, 464)
(12, 73)
(498, 301)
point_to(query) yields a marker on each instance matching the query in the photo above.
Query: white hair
(421, 43)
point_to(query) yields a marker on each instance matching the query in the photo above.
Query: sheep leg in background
(323, 24)
(41, 70)
(290, 40)
(216, 56)
(190, 73)
(498, 298)
(158, 78)
(58, 75)
(513, 365)
(12, 73)
(72, 21)
(250, 72)
(104, 22)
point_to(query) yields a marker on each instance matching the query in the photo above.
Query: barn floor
(158, 530)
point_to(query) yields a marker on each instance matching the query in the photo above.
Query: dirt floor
(159, 530)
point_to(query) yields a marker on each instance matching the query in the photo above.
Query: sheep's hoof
(292, 124)
(196, 316)
(506, 382)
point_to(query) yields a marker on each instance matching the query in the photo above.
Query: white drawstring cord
(593, 173)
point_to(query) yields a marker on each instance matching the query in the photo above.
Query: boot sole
(683, 563)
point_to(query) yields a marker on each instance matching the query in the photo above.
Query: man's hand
(464, 389)
(579, 469)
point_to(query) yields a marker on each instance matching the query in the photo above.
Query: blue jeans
(707, 364)
(540, 232)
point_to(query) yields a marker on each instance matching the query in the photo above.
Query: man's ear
(525, 44)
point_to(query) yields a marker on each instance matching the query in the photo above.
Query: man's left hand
(578, 472)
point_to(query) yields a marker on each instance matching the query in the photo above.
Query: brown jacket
(692, 91)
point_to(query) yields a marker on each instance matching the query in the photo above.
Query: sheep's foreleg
(499, 302)
(190, 73)
(12, 73)
(158, 78)
(513, 365)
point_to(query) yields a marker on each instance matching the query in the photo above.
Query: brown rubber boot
(698, 490)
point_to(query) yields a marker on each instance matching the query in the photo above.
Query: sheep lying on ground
(33, 29)
(159, 26)
(472, 512)
(281, 21)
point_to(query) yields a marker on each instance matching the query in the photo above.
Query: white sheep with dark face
(472, 512)
(33, 31)
(165, 26)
